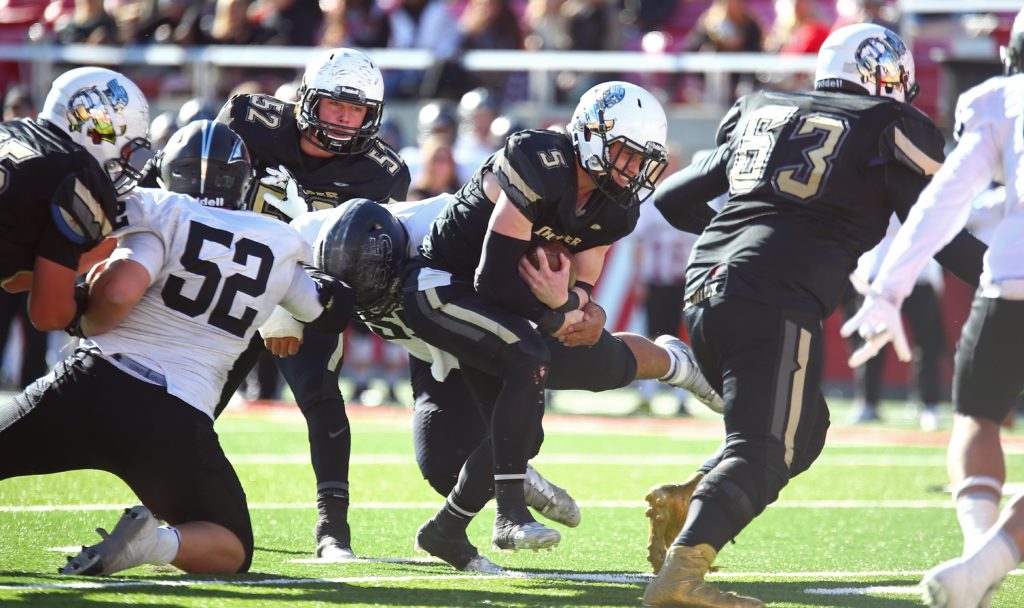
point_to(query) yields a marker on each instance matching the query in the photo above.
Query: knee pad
(741, 488)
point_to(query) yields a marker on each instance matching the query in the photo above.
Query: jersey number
(220, 316)
(16, 152)
(384, 159)
(818, 136)
(265, 110)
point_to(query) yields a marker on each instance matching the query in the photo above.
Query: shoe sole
(547, 541)
(90, 561)
(934, 594)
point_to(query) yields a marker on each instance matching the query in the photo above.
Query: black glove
(74, 328)
(338, 300)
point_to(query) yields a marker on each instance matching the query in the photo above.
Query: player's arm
(122, 283)
(319, 300)
(683, 197)
(497, 277)
(588, 331)
(933, 227)
(23, 280)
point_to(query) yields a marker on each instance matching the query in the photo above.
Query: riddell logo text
(545, 232)
(211, 202)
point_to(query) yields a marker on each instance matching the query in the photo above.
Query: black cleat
(456, 550)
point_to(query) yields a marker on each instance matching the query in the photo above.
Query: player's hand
(571, 318)
(283, 347)
(549, 286)
(588, 331)
(878, 321)
(294, 203)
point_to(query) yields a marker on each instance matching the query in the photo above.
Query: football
(551, 250)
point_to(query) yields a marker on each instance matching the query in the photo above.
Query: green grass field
(857, 530)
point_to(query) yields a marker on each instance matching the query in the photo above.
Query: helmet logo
(878, 61)
(91, 108)
(592, 118)
(379, 248)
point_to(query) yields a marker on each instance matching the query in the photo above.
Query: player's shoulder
(995, 99)
(911, 138)
(257, 118)
(536, 162)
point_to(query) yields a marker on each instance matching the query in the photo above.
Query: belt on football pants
(139, 369)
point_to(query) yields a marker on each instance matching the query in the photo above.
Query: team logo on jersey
(593, 118)
(99, 111)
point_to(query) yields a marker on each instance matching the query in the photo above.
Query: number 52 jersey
(216, 276)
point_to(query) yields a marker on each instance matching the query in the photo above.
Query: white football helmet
(105, 113)
(620, 112)
(1012, 54)
(867, 57)
(344, 75)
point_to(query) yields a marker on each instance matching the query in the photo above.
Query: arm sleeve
(143, 248)
(497, 278)
(55, 247)
(939, 215)
(683, 197)
(302, 298)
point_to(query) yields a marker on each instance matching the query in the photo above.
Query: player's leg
(971, 580)
(985, 384)
(925, 320)
(152, 440)
(312, 374)
(501, 352)
(772, 364)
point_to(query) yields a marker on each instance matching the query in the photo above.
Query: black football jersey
(268, 127)
(42, 172)
(811, 184)
(537, 172)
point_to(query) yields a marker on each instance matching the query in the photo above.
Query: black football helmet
(208, 161)
(364, 245)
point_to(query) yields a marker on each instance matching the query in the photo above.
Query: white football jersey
(216, 276)
(990, 124)
(416, 217)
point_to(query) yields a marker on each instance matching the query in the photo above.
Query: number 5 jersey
(216, 276)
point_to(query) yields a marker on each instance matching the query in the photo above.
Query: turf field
(858, 529)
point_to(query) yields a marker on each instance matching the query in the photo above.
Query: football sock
(165, 548)
(995, 557)
(453, 520)
(977, 512)
(510, 494)
(673, 365)
(330, 442)
(706, 524)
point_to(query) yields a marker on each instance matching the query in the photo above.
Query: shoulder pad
(914, 141)
(729, 122)
(981, 104)
(531, 163)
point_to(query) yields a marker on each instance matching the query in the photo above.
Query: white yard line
(630, 460)
(594, 577)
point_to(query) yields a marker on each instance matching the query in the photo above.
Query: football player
(60, 176)
(328, 142)
(464, 294)
(167, 315)
(987, 375)
(368, 246)
(812, 178)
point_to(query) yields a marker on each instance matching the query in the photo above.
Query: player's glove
(294, 202)
(74, 328)
(878, 321)
(338, 300)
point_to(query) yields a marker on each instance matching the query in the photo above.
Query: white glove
(878, 321)
(293, 204)
(281, 324)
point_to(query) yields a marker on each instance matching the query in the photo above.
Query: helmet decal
(878, 60)
(90, 108)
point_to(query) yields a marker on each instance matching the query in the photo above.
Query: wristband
(550, 322)
(572, 303)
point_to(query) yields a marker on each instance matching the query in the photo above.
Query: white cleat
(949, 585)
(483, 565)
(688, 375)
(126, 547)
(550, 500)
(335, 552)
(531, 535)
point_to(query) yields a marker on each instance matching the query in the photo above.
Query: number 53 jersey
(813, 179)
(216, 276)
